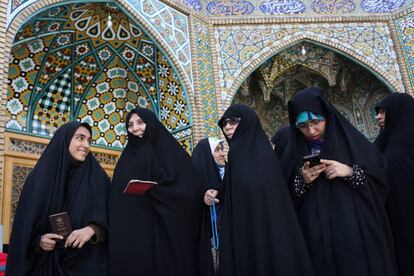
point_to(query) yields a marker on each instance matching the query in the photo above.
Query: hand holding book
(138, 187)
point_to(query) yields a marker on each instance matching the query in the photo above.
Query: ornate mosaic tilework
(381, 5)
(206, 79)
(356, 93)
(112, 95)
(233, 7)
(174, 110)
(282, 7)
(240, 45)
(90, 71)
(194, 4)
(172, 26)
(246, 7)
(53, 108)
(333, 6)
(405, 30)
(185, 139)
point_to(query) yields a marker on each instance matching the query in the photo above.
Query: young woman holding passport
(67, 182)
(340, 198)
(155, 233)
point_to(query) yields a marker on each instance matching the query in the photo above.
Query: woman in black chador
(340, 201)
(395, 115)
(280, 141)
(156, 233)
(260, 234)
(67, 178)
(209, 160)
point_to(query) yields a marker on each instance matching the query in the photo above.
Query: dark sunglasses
(231, 121)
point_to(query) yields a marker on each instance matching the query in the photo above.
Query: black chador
(396, 142)
(260, 233)
(59, 184)
(343, 220)
(280, 141)
(208, 170)
(156, 233)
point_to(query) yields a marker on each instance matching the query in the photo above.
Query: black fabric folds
(347, 230)
(260, 232)
(156, 233)
(57, 184)
(396, 142)
(206, 166)
(281, 140)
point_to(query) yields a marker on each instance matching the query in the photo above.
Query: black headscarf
(346, 229)
(206, 166)
(396, 142)
(260, 232)
(281, 140)
(57, 184)
(156, 233)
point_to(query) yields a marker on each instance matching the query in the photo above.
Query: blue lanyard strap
(213, 217)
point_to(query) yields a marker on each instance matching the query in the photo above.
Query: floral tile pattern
(172, 27)
(239, 46)
(405, 30)
(206, 79)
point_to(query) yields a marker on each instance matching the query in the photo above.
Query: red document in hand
(138, 187)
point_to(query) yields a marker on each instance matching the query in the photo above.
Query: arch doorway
(351, 88)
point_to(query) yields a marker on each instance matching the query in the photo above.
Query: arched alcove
(349, 86)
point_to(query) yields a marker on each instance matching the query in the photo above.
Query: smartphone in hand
(313, 159)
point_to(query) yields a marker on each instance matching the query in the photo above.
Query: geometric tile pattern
(68, 64)
(238, 46)
(205, 77)
(171, 26)
(405, 31)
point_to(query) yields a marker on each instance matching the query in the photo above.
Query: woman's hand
(48, 241)
(336, 169)
(311, 173)
(79, 237)
(210, 197)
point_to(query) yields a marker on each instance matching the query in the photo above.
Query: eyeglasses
(231, 121)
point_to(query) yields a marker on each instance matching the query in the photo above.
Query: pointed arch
(385, 77)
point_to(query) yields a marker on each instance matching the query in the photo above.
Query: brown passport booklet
(60, 224)
(138, 187)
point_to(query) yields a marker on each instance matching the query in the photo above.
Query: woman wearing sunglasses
(260, 234)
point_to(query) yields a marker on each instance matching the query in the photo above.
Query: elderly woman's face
(229, 126)
(136, 125)
(80, 144)
(313, 129)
